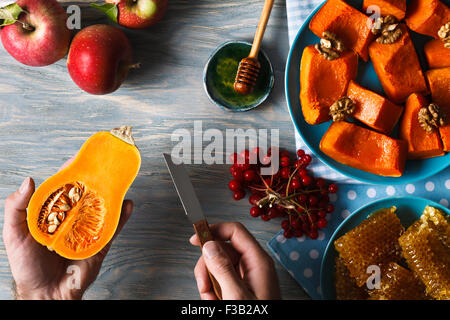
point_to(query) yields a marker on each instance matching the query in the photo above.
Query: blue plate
(409, 209)
(414, 170)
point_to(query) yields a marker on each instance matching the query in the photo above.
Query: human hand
(39, 273)
(242, 268)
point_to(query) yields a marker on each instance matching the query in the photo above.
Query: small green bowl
(220, 71)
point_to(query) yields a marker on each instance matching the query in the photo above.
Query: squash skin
(106, 165)
(421, 144)
(317, 94)
(439, 82)
(396, 8)
(373, 110)
(364, 149)
(398, 68)
(349, 24)
(437, 55)
(427, 16)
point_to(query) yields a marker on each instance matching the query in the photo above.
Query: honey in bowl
(220, 73)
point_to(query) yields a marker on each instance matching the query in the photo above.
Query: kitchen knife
(192, 208)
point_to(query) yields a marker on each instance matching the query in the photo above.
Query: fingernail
(211, 249)
(24, 185)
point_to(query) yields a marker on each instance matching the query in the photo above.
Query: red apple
(100, 57)
(47, 38)
(139, 14)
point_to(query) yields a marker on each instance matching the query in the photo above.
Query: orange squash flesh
(322, 82)
(372, 109)
(398, 68)
(105, 166)
(396, 8)
(427, 16)
(437, 55)
(439, 82)
(349, 24)
(364, 149)
(421, 144)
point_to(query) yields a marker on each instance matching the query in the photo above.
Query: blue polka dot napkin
(302, 257)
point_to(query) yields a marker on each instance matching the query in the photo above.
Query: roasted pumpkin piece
(427, 16)
(439, 82)
(437, 55)
(322, 82)
(372, 109)
(421, 144)
(374, 242)
(426, 248)
(76, 211)
(349, 24)
(398, 67)
(396, 8)
(398, 283)
(364, 149)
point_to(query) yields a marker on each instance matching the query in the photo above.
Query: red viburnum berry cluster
(291, 192)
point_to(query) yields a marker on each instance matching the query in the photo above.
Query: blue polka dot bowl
(409, 209)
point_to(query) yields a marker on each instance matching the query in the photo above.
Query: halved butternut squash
(398, 68)
(372, 109)
(439, 82)
(364, 149)
(76, 211)
(427, 16)
(322, 82)
(421, 144)
(396, 8)
(349, 24)
(437, 55)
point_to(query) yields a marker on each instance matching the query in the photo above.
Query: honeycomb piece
(346, 288)
(373, 242)
(425, 246)
(398, 283)
(439, 222)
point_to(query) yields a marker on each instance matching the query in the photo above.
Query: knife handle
(204, 235)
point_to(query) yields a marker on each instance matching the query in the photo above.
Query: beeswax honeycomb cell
(346, 288)
(398, 283)
(425, 246)
(373, 242)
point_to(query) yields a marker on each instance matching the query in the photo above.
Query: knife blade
(192, 208)
(185, 190)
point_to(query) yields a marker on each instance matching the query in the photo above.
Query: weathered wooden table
(45, 117)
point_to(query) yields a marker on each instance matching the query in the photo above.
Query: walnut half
(388, 29)
(431, 117)
(444, 34)
(329, 46)
(342, 109)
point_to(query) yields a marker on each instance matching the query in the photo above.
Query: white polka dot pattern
(371, 193)
(429, 186)
(303, 256)
(410, 188)
(390, 190)
(351, 195)
(294, 255)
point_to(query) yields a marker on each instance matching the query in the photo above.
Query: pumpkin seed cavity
(74, 198)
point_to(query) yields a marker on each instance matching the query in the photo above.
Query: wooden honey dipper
(249, 67)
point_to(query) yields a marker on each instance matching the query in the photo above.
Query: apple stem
(135, 65)
(27, 26)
